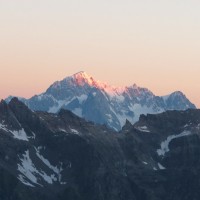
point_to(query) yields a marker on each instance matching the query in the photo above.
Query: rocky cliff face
(61, 156)
(104, 104)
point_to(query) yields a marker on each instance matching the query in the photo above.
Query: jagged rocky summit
(46, 156)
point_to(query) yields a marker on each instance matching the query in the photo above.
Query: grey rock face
(61, 156)
(104, 104)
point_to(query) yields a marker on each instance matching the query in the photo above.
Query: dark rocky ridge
(94, 162)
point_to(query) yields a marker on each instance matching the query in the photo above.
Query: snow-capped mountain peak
(78, 79)
(176, 100)
(81, 78)
(103, 103)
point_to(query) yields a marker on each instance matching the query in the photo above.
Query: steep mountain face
(102, 103)
(61, 156)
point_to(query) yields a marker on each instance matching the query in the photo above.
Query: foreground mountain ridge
(45, 156)
(104, 104)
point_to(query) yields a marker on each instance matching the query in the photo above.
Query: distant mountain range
(104, 104)
(45, 156)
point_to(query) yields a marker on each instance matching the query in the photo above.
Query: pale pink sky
(153, 43)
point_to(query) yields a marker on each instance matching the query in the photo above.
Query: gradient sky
(152, 43)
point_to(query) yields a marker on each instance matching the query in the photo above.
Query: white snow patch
(20, 135)
(139, 109)
(22, 179)
(161, 167)
(57, 170)
(3, 127)
(17, 134)
(59, 104)
(143, 129)
(109, 115)
(40, 97)
(154, 168)
(145, 163)
(30, 175)
(57, 107)
(78, 112)
(32, 137)
(110, 120)
(164, 147)
(29, 171)
(119, 98)
(121, 117)
(82, 98)
(62, 130)
(74, 131)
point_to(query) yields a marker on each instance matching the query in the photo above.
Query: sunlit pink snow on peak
(82, 78)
